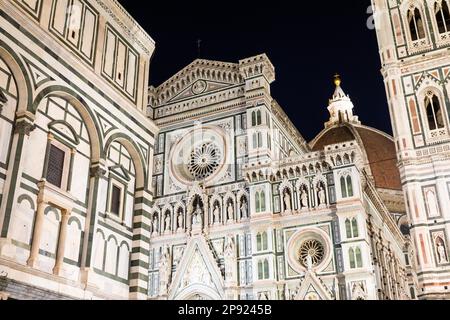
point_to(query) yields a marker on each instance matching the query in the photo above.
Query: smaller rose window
(204, 161)
(311, 251)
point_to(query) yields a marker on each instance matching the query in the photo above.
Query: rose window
(313, 249)
(204, 161)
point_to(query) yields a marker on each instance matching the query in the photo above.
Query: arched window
(259, 242)
(343, 188)
(351, 228)
(265, 242)
(442, 13)
(416, 26)
(358, 255)
(257, 140)
(355, 228)
(260, 201)
(256, 118)
(434, 112)
(347, 187)
(355, 258)
(351, 257)
(263, 269)
(348, 228)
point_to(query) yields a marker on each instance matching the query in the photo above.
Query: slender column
(37, 235)
(62, 242)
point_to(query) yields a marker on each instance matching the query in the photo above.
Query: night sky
(307, 46)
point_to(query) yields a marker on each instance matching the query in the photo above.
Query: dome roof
(378, 146)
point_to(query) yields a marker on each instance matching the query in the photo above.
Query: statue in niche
(441, 251)
(180, 220)
(197, 219)
(230, 258)
(167, 222)
(321, 195)
(230, 211)
(164, 271)
(216, 214)
(244, 212)
(304, 198)
(155, 225)
(287, 201)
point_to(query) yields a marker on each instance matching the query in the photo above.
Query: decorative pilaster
(97, 172)
(23, 126)
(140, 253)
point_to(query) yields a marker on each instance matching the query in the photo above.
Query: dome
(379, 148)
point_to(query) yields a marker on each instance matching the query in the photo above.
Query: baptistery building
(202, 187)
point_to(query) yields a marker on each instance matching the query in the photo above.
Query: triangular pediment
(198, 78)
(312, 288)
(197, 273)
(199, 87)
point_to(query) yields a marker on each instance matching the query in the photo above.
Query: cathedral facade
(202, 188)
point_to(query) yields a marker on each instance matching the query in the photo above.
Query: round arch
(79, 103)
(24, 88)
(136, 156)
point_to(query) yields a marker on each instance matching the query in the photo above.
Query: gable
(197, 273)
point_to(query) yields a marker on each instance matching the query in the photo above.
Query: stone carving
(304, 198)
(197, 217)
(230, 259)
(164, 271)
(321, 195)
(230, 212)
(155, 225)
(441, 251)
(244, 209)
(216, 215)
(180, 220)
(197, 272)
(287, 201)
(167, 223)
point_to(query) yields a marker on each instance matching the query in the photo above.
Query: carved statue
(304, 198)
(287, 201)
(167, 223)
(442, 253)
(230, 258)
(216, 214)
(197, 219)
(180, 220)
(321, 196)
(230, 212)
(155, 225)
(164, 271)
(244, 213)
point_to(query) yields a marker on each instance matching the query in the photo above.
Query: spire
(340, 106)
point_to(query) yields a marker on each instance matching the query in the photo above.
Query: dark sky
(307, 44)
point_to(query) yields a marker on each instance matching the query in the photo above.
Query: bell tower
(414, 43)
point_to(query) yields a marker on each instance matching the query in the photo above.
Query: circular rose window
(311, 251)
(204, 161)
(201, 155)
(309, 248)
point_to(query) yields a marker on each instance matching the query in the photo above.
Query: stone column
(37, 235)
(61, 242)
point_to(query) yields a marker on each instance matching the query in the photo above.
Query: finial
(337, 80)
